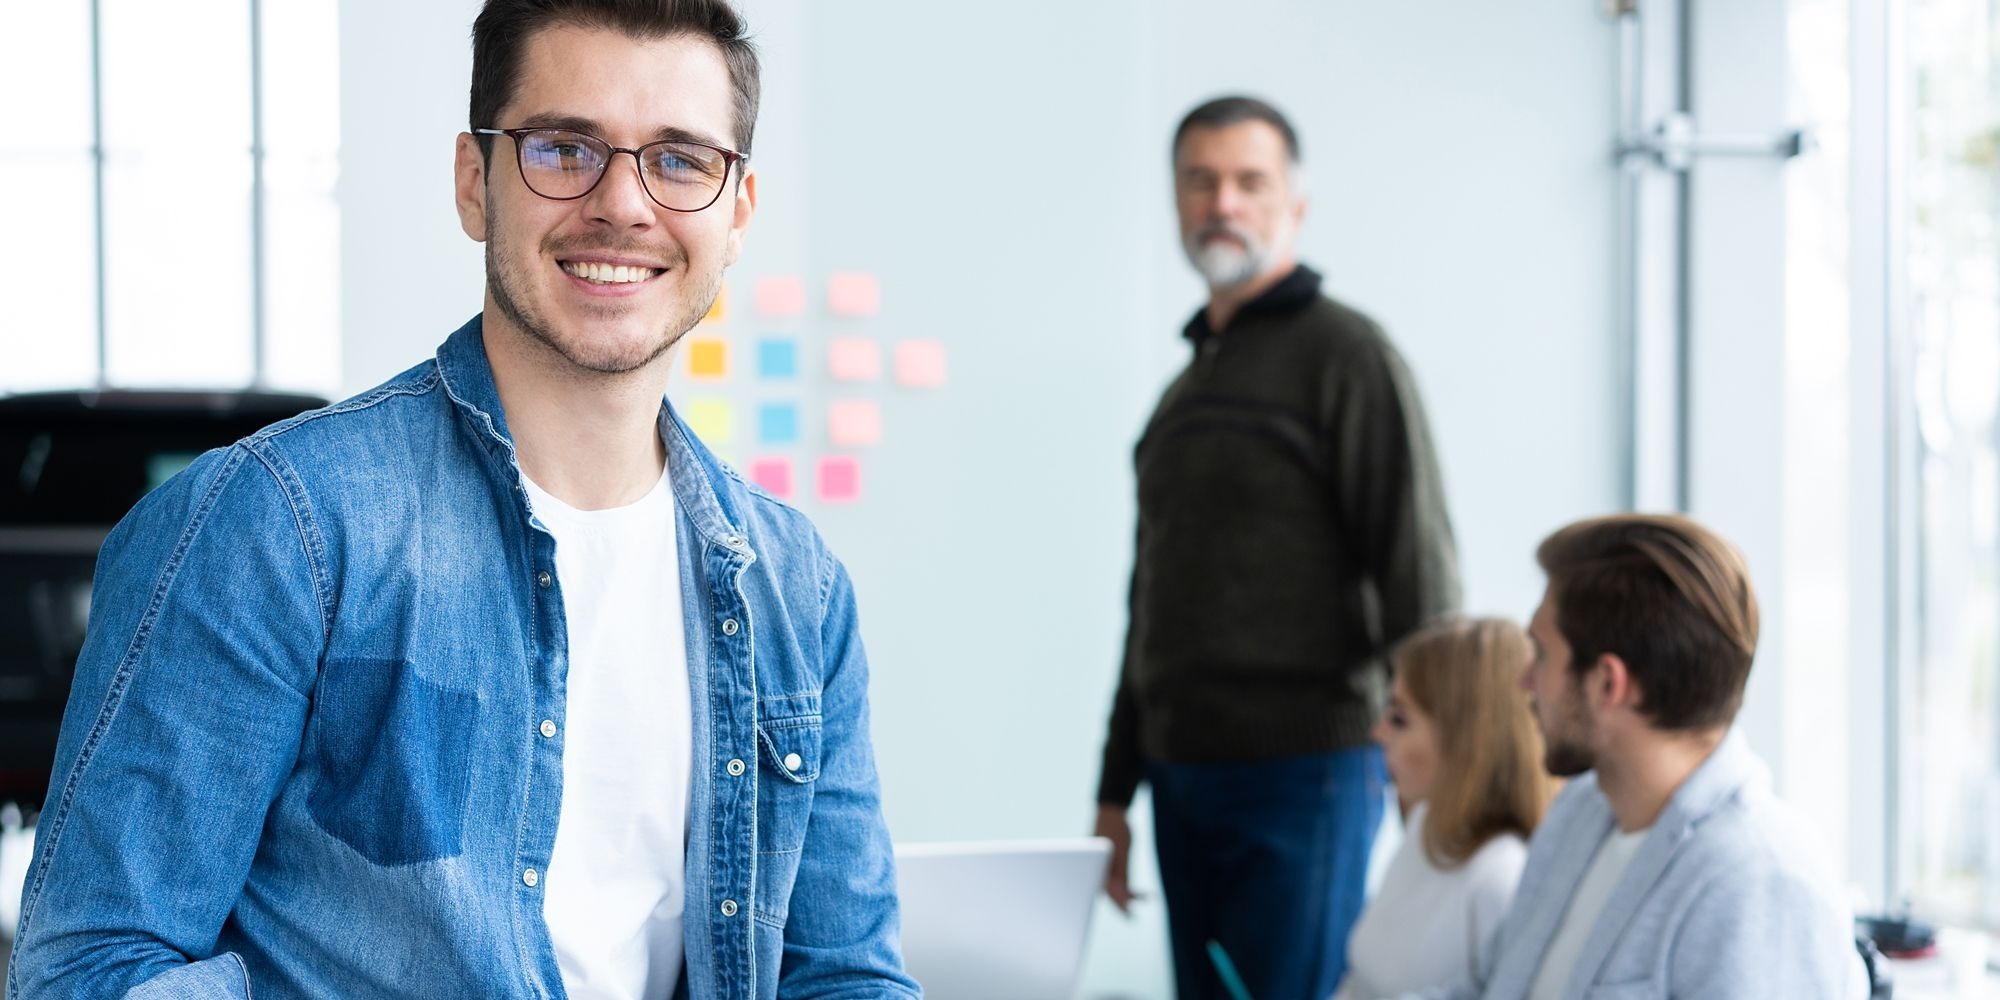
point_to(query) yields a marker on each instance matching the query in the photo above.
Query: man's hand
(1111, 825)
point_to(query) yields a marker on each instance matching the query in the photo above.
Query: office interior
(1739, 258)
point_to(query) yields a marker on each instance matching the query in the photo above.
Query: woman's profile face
(1409, 746)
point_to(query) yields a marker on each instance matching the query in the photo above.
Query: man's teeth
(608, 274)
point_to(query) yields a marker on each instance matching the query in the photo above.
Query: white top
(1428, 926)
(614, 890)
(1559, 961)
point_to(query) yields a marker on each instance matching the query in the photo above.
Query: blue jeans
(1269, 859)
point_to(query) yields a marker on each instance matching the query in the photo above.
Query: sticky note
(711, 420)
(719, 309)
(853, 293)
(781, 295)
(920, 364)
(774, 474)
(839, 479)
(778, 423)
(778, 358)
(854, 359)
(708, 357)
(851, 422)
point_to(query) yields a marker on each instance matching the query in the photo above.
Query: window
(169, 173)
(1953, 367)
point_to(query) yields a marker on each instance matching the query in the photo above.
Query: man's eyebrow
(590, 126)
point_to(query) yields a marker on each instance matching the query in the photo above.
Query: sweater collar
(1289, 294)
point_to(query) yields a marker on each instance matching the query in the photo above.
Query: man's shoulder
(391, 408)
(1760, 840)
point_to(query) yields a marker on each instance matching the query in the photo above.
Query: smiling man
(491, 681)
(1291, 529)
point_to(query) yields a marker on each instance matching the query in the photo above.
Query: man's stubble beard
(502, 263)
(1566, 753)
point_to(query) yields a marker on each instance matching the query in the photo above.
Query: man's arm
(1122, 766)
(843, 930)
(183, 721)
(1389, 490)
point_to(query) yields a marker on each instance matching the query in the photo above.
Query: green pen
(1227, 970)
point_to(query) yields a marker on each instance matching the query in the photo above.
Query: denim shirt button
(792, 761)
(543, 578)
(549, 728)
(736, 768)
(530, 877)
(728, 907)
(729, 627)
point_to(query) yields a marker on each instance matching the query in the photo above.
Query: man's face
(1233, 189)
(627, 92)
(1569, 728)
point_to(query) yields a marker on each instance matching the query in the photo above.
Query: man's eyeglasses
(563, 166)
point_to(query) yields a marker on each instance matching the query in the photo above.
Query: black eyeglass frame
(731, 160)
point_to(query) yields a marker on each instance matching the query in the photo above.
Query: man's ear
(469, 186)
(1610, 682)
(745, 206)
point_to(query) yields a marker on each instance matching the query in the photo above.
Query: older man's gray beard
(1224, 264)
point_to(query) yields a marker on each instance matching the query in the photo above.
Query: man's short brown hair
(500, 38)
(1668, 597)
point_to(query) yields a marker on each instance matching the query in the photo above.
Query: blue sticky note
(778, 423)
(778, 358)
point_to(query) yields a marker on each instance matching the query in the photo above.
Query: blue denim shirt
(304, 753)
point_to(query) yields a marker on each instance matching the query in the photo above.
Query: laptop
(999, 920)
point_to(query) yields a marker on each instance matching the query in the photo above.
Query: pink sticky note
(920, 364)
(781, 296)
(839, 479)
(854, 359)
(851, 422)
(853, 293)
(774, 474)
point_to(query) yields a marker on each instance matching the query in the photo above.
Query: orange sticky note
(854, 359)
(719, 309)
(852, 422)
(783, 295)
(774, 474)
(853, 293)
(711, 420)
(839, 479)
(920, 364)
(708, 357)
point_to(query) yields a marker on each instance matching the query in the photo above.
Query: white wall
(1462, 194)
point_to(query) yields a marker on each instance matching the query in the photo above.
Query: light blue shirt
(1726, 899)
(314, 744)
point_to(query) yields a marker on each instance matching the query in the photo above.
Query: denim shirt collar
(692, 470)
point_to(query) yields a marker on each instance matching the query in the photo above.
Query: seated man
(1666, 868)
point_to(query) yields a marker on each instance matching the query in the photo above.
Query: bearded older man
(1292, 527)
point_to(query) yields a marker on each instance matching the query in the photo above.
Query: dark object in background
(1901, 936)
(1881, 985)
(71, 465)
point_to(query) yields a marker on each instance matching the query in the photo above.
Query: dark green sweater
(1292, 527)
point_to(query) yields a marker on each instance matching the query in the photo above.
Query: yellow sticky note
(708, 357)
(719, 309)
(711, 420)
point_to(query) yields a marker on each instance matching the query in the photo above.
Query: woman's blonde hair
(1465, 673)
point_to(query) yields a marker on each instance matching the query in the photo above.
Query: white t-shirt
(1427, 926)
(1559, 962)
(613, 894)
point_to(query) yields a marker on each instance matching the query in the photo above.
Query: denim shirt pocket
(393, 753)
(790, 759)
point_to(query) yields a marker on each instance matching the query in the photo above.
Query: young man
(1291, 528)
(491, 681)
(1666, 868)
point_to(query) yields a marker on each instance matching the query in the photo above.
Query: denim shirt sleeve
(843, 936)
(184, 719)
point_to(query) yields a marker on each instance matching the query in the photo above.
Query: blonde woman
(1466, 756)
